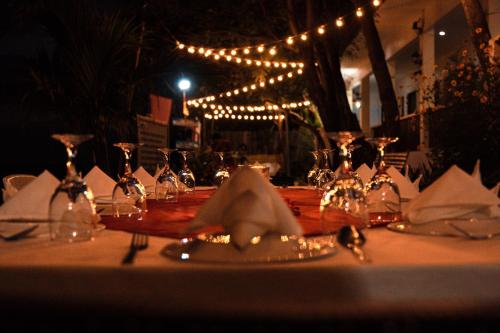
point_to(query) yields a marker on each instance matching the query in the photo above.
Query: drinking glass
(325, 175)
(186, 176)
(167, 187)
(344, 201)
(221, 174)
(129, 194)
(72, 211)
(313, 173)
(382, 193)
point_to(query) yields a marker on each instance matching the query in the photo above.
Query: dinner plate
(475, 227)
(271, 248)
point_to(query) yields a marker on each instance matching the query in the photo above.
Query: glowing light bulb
(252, 117)
(271, 81)
(248, 62)
(233, 116)
(246, 51)
(181, 46)
(272, 51)
(280, 78)
(228, 58)
(321, 30)
(245, 117)
(303, 37)
(300, 71)
(262, 84)
(222, 52)
(376, 3)
(253, 87)
(191, 49)
(258, 62)
(339, 22)
(284, 65)
(290, 74)
(359, 12)
(289, 40)
(216, 57)
(245, 89)
(234, 52)
(258, 117)
(276, 64)
(239, 116)
(238, 60)
(260, 49)
(228, 94)
(264, 117)
(236, 92)
(201, 50)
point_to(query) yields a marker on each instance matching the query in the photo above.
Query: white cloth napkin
(32, 201)
(145, 178)
(366, 173)
(99, 182)
(455, 194)
(407, 189)
(247, 206)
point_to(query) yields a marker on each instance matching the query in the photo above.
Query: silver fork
(139, 242)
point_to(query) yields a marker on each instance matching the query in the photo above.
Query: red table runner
(172, 219)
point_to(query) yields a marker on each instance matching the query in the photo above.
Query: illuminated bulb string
(244, 117)
(222, 54)
(251, 87)
(222, 109)
(271, 47)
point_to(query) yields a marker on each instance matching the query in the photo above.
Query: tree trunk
(390, 111)
(478, 25)
(324, 79)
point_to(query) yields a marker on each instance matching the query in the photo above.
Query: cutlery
(352, 238)
(139, 242)
(473, 236)
(19, 234)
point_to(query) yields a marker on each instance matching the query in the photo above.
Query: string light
(250, 108)
(290, 40)
(269, 117)
(262, 84)
(217, 55)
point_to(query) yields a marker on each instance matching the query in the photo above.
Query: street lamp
(184, 85)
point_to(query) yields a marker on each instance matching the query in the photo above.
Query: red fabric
(172, 219)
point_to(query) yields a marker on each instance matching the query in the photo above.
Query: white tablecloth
(409, 275)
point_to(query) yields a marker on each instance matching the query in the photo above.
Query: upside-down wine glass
(325, 175)
(186, 176)
(221, 174)
(167, 187)
(72, 211)
(313, 173)
(382, 193)
(344, 201)
(129, 194)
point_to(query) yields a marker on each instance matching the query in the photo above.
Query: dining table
(409, 276)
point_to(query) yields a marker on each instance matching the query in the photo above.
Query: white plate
(476, 227)
(267, 249)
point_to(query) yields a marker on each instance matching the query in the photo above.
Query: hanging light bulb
(339, 22)
(228, 58)
(248, 62)
(238, 60)
(246, 51)
(272, 51)
(321, 30)
(191, 49)
(359, 12)
(289, 40)
(201, 50)
(258, 62)
(376, 3)
(303, 37)
(216, 57)
(222, 52)
(260, 49)
(234, 52)
(181, 46)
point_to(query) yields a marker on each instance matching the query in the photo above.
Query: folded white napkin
(366, 173)
(247, 206)
(32, 201)
(407, 189)
(145, 177)
(99, 182)
(455, 194)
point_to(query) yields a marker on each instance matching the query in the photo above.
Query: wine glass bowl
(384, 201)
(344, 198)
(186, 176)
(167, 186)
(221, 174)
(313, 173)
(324, 174)
(72, 210)
(129, 194)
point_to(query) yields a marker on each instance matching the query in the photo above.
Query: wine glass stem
(70, 165)
(344, 154)
(184, 164)
(325, 160)
(128, 168)
(381, 165)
